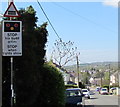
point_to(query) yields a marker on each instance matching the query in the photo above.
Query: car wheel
(89, 97)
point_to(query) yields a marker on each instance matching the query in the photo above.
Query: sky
(92, 26)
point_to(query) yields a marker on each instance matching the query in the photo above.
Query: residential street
(59, 53)
(98, 100)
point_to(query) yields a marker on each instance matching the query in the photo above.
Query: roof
(115, 73)
(58, 66)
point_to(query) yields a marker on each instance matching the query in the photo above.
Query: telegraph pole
(78, 68)
(109, 76)
(101, 79)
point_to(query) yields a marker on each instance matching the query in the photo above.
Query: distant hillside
(96, 65)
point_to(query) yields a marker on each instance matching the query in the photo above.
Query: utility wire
(83, 17)
(48, 19)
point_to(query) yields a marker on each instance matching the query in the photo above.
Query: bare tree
(63, 52)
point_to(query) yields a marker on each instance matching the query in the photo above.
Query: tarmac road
(98, 100)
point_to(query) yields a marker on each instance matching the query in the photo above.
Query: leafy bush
(106, 86)
(52, 92)
(81, 85)
(70, 86)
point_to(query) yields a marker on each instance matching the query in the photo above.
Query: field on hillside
(96, 66)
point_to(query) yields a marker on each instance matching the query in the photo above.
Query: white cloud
(113, 3)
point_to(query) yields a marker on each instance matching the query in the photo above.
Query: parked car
(112, 90)
(98, 89)
(74, 97)
(104, 91)
(86, 93)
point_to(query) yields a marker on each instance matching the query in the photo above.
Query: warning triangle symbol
(11, 11)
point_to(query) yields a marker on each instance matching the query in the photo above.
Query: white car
(86, 93)
(104, 91)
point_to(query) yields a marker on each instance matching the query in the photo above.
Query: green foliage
(52, 89)
(29, 19)
(106, 86)
(29, 65)
(106, 76)
(70, 86)
(85, 77)
(30, 10)
(95, 66)
(81, 85)
(115, 85)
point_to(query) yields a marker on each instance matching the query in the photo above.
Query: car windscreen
(104, 89)
(73, 93)
(84, 91)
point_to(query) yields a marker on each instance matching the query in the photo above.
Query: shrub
(106, 86)
(70, 86)
(52, 90)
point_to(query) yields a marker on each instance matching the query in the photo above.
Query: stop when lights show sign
(11, 38)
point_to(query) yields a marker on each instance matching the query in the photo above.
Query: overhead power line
(48, 19)
(84, 18)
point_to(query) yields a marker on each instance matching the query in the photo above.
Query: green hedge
(70, 86)
(52, 92)
(106, 86)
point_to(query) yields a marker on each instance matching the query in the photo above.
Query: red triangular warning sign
(11, 11)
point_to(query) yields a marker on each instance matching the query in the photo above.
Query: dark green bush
(106, 86)
(52, 92)
(81, 85)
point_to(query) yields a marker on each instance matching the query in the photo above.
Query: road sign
(11, 38)
(11, 11)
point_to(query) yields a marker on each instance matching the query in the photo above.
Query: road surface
(98, 100)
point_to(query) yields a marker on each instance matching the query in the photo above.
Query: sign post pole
(11, 60)
(12, 40)
(12, 85)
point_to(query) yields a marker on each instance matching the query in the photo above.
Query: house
(114, 78)
(69, 77)
(92, 81)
